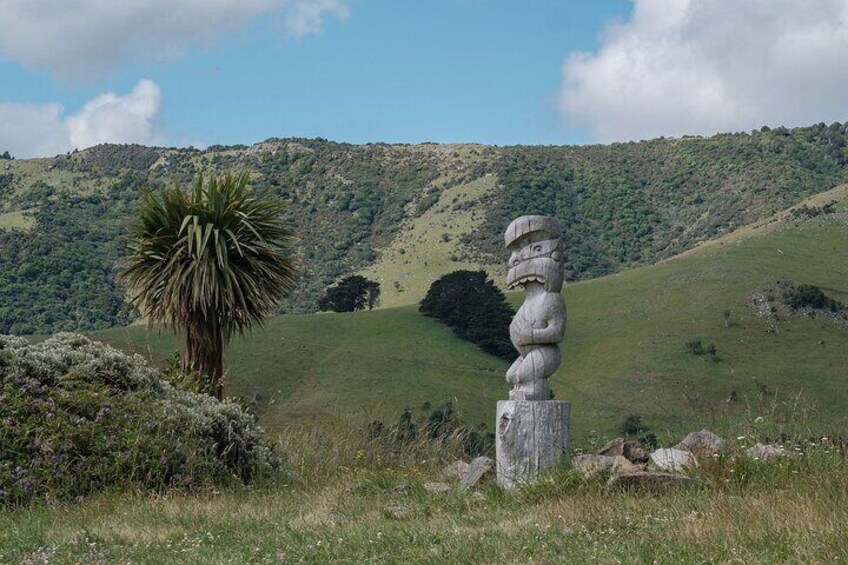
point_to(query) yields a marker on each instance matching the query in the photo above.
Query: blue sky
(445, 71)
(203, 72)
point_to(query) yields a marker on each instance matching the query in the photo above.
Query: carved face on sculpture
(536, 253)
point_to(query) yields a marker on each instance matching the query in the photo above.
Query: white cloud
(113, 118)
(29, 130)
(694, 67)
(306, 17)
(81, 39)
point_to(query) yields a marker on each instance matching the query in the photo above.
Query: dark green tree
(351, 294)
(810, 296)
(210, 262)
(474, 308)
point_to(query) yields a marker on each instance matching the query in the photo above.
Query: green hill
(403, 213)
(625, 349)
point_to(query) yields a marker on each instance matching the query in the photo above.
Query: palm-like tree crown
(210, 261)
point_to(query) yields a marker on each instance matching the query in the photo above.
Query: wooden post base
(531, 436)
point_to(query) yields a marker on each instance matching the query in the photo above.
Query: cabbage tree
(209, 261)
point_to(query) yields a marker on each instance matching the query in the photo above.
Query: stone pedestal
(531, 436)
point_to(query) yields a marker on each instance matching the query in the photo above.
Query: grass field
(346, 508)
(346, 367)
(624, 352)
(16, 221)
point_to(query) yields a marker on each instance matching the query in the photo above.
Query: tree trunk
(531, 437)
(204, 355)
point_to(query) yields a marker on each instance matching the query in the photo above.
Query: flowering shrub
(78, 416)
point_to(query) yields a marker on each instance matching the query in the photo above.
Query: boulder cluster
(630, 465)
(627, 463)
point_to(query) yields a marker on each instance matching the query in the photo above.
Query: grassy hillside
(426, 246)
(626, 345)
(402, 213)
(625, 348)
(346, 367)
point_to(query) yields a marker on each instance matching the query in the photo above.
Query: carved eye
(515, 262)
(556, 255)
(537, 248)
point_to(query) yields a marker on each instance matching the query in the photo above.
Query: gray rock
(436, 487)
(621, 465)
(673, 460)
(766, 451)
(649, 481)
(454, 471)
(629, 449)
(704, 444)
(478, 470)
(635, 452)
(400, 511)
(591, 465)
(612, 448)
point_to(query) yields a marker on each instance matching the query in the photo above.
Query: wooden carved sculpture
(538, 327)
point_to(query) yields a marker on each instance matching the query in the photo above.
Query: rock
(704, 444)
(436, 487)
(766, 451)
(478, 470)
(454, 471)
(630, 449)
(635, 452)
(622, 466)
(650, 481)
(591, 465)
(673, 460)
(400, 511)
(612, 448)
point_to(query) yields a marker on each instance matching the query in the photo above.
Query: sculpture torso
(540, 320)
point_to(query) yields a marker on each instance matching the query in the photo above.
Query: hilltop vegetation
(620, 205)
(633, 203)
(61, 273)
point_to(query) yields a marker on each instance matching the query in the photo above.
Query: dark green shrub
(436, 424)
(712, 351)
(809, 296)
(471, 305)
(79, 416)
(695, 347)
(650, 440)
(351, 294)
(631, 425)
